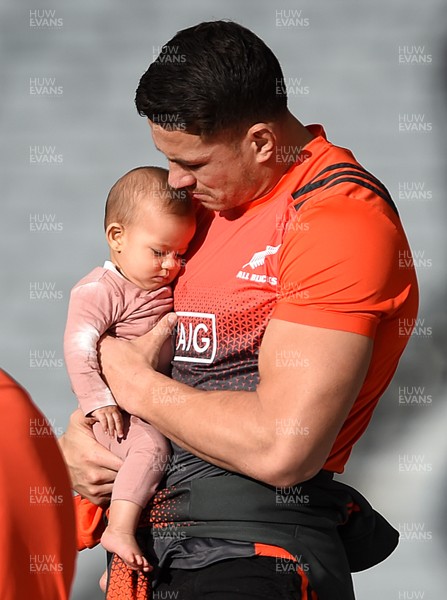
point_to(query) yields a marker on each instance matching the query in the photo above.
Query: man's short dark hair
(216, 76)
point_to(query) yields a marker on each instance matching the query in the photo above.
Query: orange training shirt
(325, 248)
(37, 534)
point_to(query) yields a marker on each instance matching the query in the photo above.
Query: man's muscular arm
(309, 378)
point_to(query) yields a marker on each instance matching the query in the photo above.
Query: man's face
(218, 174)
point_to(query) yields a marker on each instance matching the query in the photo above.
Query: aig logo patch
(196, 337)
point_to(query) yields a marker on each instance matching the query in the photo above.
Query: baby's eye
(157, 253)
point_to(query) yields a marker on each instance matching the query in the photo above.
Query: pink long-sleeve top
(104, 301)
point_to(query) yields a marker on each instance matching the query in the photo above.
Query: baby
(148, 228)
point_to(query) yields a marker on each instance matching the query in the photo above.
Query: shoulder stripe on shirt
(359, 176)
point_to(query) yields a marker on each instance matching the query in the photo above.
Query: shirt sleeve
(90, 314)
(339, 266)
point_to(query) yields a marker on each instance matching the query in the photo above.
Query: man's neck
(291, 138)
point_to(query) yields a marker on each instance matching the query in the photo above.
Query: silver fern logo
(258, 258)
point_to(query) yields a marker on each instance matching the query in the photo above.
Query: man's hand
(124, 363)
(92, 468)
(111, 420)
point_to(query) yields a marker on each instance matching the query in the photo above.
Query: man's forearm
(226, 428)
(281, 433)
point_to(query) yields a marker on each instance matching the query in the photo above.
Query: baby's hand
(111, 420)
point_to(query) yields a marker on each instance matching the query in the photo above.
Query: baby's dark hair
(141, 187)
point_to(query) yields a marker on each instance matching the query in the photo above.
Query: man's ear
(114, 236)
(263, 141)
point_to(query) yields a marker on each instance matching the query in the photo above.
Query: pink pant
(145, 452)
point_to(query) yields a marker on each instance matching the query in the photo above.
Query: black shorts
(252, 578)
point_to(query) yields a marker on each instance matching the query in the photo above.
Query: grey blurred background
(373, 73)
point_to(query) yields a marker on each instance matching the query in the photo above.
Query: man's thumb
(165, 326)
(151, 343)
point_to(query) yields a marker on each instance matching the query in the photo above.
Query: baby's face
(153, 246)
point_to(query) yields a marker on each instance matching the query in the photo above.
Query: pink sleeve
(90, 314)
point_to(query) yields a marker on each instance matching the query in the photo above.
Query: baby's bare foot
(103, 581)
(125, 545)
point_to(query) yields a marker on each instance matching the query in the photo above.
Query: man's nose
(179, 177)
